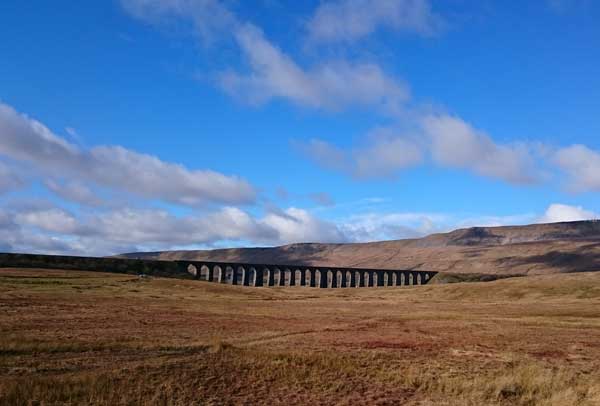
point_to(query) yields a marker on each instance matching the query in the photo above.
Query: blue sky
(160, 124)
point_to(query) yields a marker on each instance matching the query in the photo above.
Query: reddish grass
(81, 337)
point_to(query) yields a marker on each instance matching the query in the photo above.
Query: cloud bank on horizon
(59, 194)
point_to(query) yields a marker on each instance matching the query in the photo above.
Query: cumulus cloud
(27, 140)
(47, 228)
(448, 141)
(582, 166)
(349, 20)
(456, 144)
(557, 213)
(299, 225)
(371, 226)
(273, 74)
(53, 219)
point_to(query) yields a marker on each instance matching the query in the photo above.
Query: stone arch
(394, 278)
(312, 277)
(230, 276)
(217, 273)
(206, 273)
(370, 279)
(243, 275)
(340, 279)
(390, 278)
(268, 277)
(192, 270)
(380, 278)
(290, 276)
(419, 280)
(255, 278)
(278, 277)
(360, 279)
(331, 279)
(299, 277)
(320, 278)
(386, 279)
(350, 280)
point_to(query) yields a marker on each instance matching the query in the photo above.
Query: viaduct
(233, 273)
(301, 275)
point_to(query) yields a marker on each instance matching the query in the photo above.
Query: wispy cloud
(350, 20)
(273, 74)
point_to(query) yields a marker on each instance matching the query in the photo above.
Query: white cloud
(273, 74)
(349, 20)
(27, 140)
(383, 155)
(50, 229)
(582, 165)
(210, 18)
(9, 179)
(557, 213)
(449, 141)
(74, 191)
(297, 225)
(54, 220)
(454, 143)
(374, 226)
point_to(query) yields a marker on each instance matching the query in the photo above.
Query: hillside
(531, 249)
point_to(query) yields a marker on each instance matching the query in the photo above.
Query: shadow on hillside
(582, 259)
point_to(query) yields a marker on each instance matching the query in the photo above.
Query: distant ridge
(530, 249)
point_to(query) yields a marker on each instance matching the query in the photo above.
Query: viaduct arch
(301, 275)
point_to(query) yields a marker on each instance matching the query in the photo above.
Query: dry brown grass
(87, 338)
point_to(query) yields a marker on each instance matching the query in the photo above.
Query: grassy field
(94, 338)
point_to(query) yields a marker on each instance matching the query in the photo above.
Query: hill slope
(532, 249)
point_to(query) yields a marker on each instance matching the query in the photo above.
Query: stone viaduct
(301, 275)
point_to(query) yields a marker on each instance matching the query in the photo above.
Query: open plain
(96, 338)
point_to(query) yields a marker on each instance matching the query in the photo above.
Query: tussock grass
(521, 341)
(226, 370)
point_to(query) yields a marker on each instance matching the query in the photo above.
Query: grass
(90, 338)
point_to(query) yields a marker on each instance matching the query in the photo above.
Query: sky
(141, 125)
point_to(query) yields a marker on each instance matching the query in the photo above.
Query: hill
(531, 249)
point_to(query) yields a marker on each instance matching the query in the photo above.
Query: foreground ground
(94, 338)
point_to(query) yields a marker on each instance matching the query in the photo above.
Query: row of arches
(314, 277)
